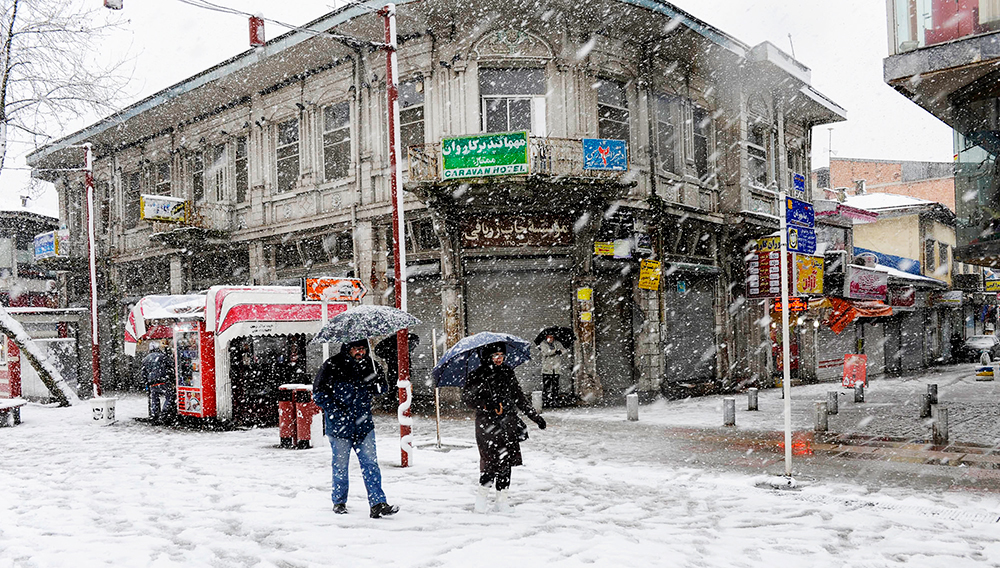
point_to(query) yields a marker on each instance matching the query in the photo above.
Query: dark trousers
(169, 408)
(550, 389)
(498, 473)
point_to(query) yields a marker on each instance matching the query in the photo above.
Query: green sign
(504, 153)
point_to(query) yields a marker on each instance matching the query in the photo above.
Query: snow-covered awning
(149, 308)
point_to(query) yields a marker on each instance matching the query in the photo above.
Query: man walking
(158, 374)
(344, 387)
(552, 351)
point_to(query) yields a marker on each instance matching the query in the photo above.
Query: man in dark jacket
(493, 391)
(344, 387)
(158, 374)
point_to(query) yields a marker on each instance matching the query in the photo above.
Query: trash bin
(103, 410)
(295, 411)
(286, 415)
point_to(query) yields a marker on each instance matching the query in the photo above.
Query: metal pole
(437, 390)
(92, 256)
(398, 234)
(786, 379)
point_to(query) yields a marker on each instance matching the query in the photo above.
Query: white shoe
(502, 505)
(482, 497)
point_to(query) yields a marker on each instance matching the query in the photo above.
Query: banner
(160, 208)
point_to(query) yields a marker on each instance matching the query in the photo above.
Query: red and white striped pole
(92, 256)
(388, 12)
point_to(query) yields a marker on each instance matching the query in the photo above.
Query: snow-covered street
(595, 490)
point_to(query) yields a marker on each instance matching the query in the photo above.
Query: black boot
(340, 508)
(383, 510)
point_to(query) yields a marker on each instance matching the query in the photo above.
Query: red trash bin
(305, 409)
(286, 415)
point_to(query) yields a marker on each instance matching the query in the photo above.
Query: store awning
(844, 311)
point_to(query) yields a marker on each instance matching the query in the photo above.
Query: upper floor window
(612, 110)
(160, 174)
(944, 252)
(796, 161)
(929, 261)
(411, 114)
(701, 125)
(242, 170)
(336, 141)
(513, 100)
(288, 155)
(666, 136)
(196, 169)
(757, 155)
(216, 172)
(132, 190)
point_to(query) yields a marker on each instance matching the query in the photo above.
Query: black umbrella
(386, 348)
(563, 335)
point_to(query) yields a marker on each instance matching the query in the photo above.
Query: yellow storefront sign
(649, 275)
(808, 274)
(993, 285)
(604, 248)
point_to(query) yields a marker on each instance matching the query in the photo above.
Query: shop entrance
(258, 366)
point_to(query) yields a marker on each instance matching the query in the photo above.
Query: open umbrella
(563, 335)
(463, 357)
(362, 322)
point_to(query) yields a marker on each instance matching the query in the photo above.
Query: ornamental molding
(510, 43)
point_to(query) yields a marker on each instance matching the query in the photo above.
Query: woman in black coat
(493, 391)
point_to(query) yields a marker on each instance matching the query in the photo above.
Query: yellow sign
(649, 275)
(584, 294)
(604, 248)
(586, 316)
(993, 285)
(768, 244)
(808, 274)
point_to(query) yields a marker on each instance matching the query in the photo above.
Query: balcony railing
(554, 157)
(922, 23)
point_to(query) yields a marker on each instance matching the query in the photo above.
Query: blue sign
(45, 245)
(799, 183)
(604, 154)
(800, 213)
(801, 240)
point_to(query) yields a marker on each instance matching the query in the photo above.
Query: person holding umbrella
(493, 391)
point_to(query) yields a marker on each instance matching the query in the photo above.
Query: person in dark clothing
(387, 350)
(493, 391)
(157, 373)
(344, 387)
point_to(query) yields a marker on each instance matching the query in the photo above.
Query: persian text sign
(993, 285)
(768, 244)
(516, 231)
(45, 245)
(903, 298)
(333, 289)
(160, 208)
(799, 213)
(801, 239)
(865, 284)
(808, 274)
(764, 275)
(649, 275)
(604, 154)
(855, 370)
(504, 153)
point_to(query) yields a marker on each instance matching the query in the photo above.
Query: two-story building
(281, 153)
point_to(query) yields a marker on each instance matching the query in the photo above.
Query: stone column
(178, 284)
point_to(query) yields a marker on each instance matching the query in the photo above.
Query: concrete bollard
(632, 406)
(925, 406)
(939, 427)
(820, 411)
(932, 391)
(536, 401)
(832, 403)
(752, 398)
(729, 411)
(859, 393)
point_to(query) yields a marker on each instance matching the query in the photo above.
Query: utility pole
(92, 257)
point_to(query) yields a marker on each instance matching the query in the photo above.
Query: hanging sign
(904, 298)
(504, 153)
(332, 289)
(604, 154)
(649, 275)
(161, 208)
(799, 213)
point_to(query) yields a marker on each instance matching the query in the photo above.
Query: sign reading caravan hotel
(504, 153)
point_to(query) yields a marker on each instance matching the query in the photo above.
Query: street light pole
(92, 256)
(388, 12)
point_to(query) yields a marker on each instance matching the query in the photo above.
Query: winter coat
(344, 389)
(487, 389)
(551, 357)
(157, 368)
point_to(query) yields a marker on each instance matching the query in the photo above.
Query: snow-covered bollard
(752, 398)
(632, 406)
(536, 401)
(939, 426)
(820, 411)
(729, 411)
(832, 403)
(925, 406)
(103, 410)
(932, 391)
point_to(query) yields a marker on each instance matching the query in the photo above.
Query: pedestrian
(552, 351)
(493, 391)
(344, 387)
(387, 350)
(158, 373)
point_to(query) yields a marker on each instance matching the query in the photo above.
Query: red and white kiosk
(235, 345)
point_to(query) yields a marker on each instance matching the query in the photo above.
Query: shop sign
(903, 298)
(794, 305)
(45, 246)
(649, 275)
(799, 183)
(808, 271)
(993, 285)
(799, 213)
(951, 298)
(160, 208)
(516, 231)
(604, 248)
(503, 153)
(768, 244)
(764, 275)
(865, 284)
(623, 248)
(604, 154)
(332, 290)
(855, 370)
(801, 239)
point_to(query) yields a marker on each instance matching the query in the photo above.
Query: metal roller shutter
(912, 342)
(830, 350)
(689, 327)
(875, 347)
(423, 300)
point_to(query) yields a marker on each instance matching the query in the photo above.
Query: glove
(541, 423)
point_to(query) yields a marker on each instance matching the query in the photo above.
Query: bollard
(820, 410)
(536, 401)
(925, 406)
(859, 393)
(752, 398)
(729, 411)
(632, 406)
(932, 391)
(939, 427)
(832, 404)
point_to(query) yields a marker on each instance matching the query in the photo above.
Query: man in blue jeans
(344, 387)
(158, 374)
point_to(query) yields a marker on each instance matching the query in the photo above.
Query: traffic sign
(799, 213)
(801, 240)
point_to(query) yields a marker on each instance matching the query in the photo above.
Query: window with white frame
(757, 143)
(287, 154)
(336, 141)
(612, 110)
(215, 172)
(411, 114)
(666, 134)
(196, 170)
(242, 170)
(513, 100)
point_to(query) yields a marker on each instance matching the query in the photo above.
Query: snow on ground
(595, 490)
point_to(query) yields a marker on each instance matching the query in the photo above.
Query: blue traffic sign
(800, 213)
(801, 240)
(604, 154)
